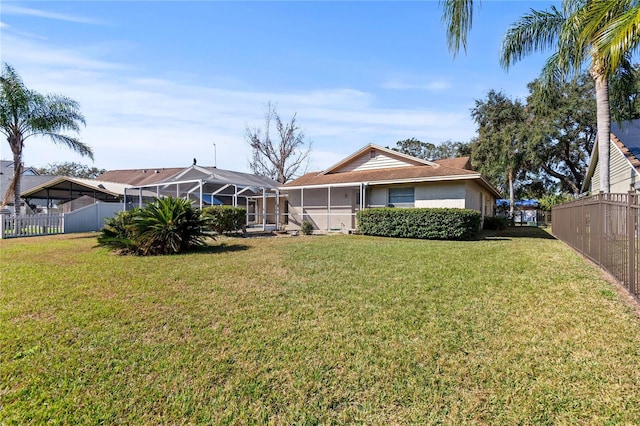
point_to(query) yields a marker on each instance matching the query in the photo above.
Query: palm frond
(536, 31)
(70, 142)
(457, 15)
(614, 29)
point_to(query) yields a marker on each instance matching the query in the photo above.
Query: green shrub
(167, 226)
(427, 223)
(495, 223)
(306, 227)
(223, 219)
(117, 233)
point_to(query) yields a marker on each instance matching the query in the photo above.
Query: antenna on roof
(215, 157)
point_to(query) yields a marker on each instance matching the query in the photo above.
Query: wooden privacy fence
(31, 225)
(606, 229)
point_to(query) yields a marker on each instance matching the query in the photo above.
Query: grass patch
(510, 329)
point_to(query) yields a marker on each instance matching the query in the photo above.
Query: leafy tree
(563, 117)
(499, 150)
(25, 113)
(573, 34)
(451, 149)
(548, 201)
(416, 148)
(429, 151)
(624, 96)
(282, 159)
(71, 169)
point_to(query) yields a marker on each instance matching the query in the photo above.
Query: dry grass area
(512, 329)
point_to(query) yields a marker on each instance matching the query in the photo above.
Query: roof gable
(374, 157)
(626, 139)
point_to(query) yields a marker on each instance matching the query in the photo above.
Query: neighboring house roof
(6, 167)
(457, 163)
(27, 182)
(414, 170)
(140, 177)
(627, 139)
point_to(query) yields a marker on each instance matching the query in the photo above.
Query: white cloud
(10, 9)
(149, 121)
(431, 86)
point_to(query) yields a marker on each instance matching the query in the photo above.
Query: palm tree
(25, 113)
(573, 33)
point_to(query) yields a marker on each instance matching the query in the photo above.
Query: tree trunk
(603, 116)
(512, 203)
(17, 174)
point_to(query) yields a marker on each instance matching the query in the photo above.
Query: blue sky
(161, 82)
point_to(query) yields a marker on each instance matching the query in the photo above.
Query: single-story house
(375, 176)
(624, 160)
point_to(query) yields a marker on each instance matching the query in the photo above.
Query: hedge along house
(624, 161)
(207, 186)
(380, 177)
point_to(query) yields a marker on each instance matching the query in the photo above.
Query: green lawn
(331, 330)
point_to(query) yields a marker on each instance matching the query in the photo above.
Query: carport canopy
(68, 188)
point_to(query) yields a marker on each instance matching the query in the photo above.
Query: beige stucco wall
(441, 194)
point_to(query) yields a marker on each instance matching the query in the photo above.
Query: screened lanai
(207, 186)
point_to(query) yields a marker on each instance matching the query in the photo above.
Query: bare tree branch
(280, 160)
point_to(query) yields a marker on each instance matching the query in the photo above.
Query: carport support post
(201, 196)
(140, 197)
(264, 209)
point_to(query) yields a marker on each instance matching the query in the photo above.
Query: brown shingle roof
(139, 177)
(456, 163)
(379, 175)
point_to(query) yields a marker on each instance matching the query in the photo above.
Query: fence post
(631, 242)
(583, 225)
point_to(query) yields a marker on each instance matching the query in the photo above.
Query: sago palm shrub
(168, 226)
(117, 233)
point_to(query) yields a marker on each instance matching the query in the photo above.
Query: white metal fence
(31, 225)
